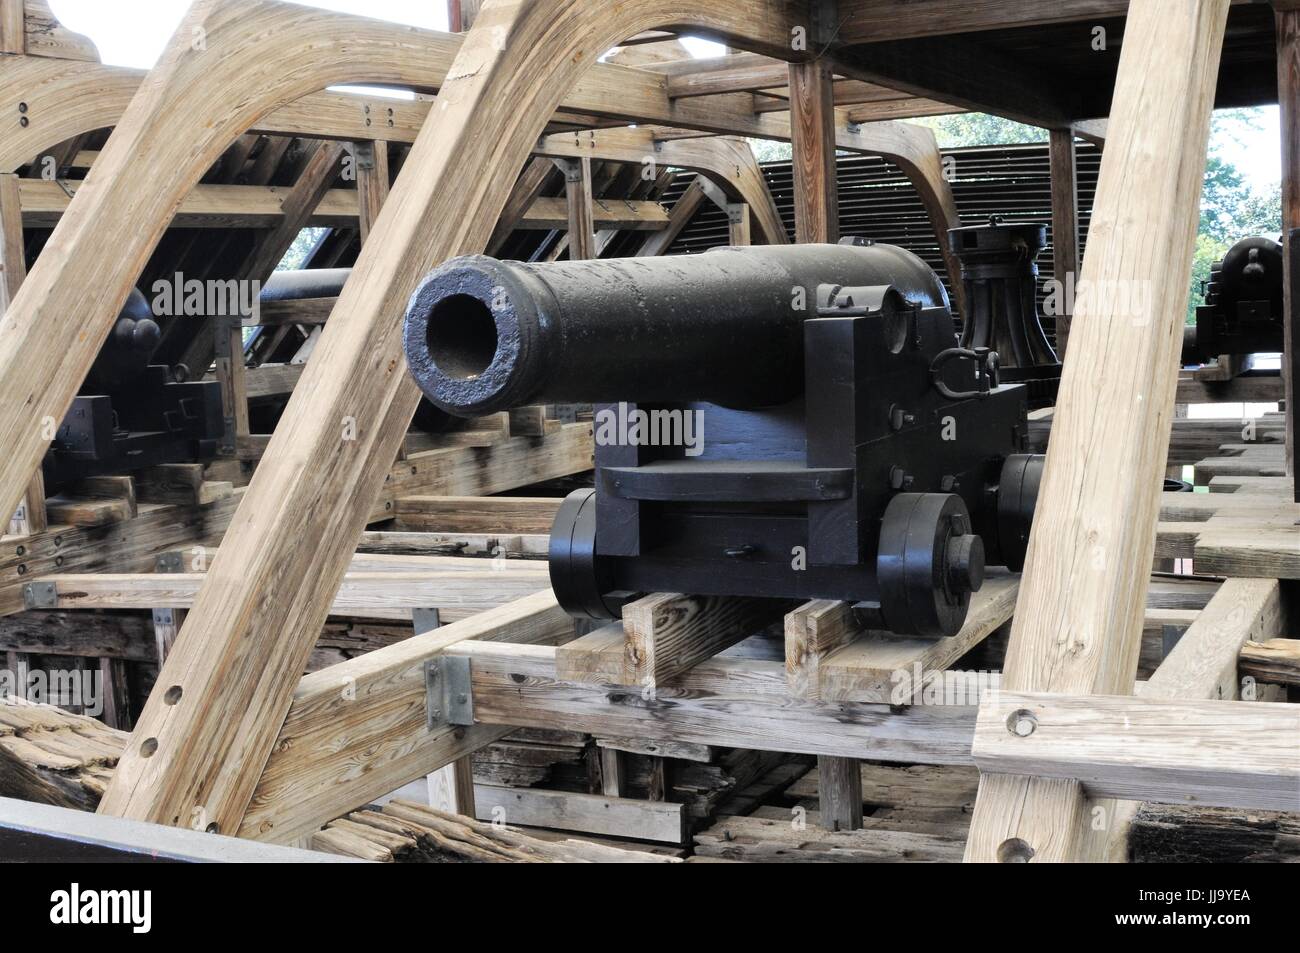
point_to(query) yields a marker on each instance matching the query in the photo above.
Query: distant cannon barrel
(725, 326)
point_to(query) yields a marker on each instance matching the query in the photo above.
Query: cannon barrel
(484, 335)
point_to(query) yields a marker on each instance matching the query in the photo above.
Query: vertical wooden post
(840, 786)
(1065, 228)
(816, 219)
(114, 682)
(373, 181)
(1078, 621)
(582, 223)
(738, 223)
(812, 128)
(13, 28)
(613, 767)
(1288, 98)
(231, 373)
(451, 787)
(30, 516)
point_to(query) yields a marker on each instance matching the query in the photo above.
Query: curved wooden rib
(44, 35)
(252, 627)
(65, 98)
(725, 160)
(915, 151)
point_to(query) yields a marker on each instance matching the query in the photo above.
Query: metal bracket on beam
(169, 562)
(449, 695)
(40, 595)
(713, 192)
(363, 153)
(425, 620)
(825, 23)
(572, 168)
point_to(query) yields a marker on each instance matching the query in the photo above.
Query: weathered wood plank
(1218, 753)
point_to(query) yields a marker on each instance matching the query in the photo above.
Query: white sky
(1257, 153)
(137, 37)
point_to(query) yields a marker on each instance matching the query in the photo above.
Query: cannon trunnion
(790, 421)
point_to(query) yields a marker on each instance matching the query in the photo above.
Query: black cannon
(794, 421)
(130, 414)
(999, 268)
(1242, 313)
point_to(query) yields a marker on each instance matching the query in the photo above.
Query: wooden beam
(13, 27)
(1276, 661)
(1215, 753)
(251, 206)
(476, 514)
(687, 204)
(968, 74)
(812, 122)
(1203, 665)
(864, 21)
(526, 191)
(30, 516)
(817, 219)
(451, 788)
(373, 182)
(739, 703)
(1065, 227)
(457, 593)
(667, 633)
(1078, 622)
(262, 604)
(372, 711)
(882, 668)
(585, 813)
(840, 793)
(577, 191)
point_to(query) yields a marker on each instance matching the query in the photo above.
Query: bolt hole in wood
(148, 747)
(1022, 722)
(1014, 851)
(173, 695)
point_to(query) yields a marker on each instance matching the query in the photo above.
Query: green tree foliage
(979, 129)
(301, 248)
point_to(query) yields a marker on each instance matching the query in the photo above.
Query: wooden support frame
(1077, 627)
(1065, 227)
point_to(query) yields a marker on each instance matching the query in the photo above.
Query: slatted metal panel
(878, 202)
